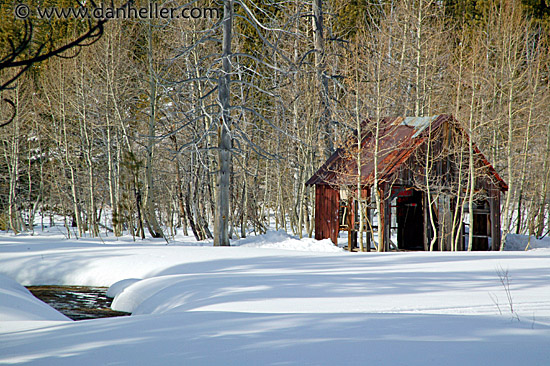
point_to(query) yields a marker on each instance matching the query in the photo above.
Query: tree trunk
(198, 233)
(115, 219)
(94, 229)
(359, 162)
(150, 215)
(471, 171)
(221, 221)
(12, 161)
(67, 148)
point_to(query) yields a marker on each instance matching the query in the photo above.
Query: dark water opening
(77, 302)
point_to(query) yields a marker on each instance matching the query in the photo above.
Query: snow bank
(17, 304)
(282, 240)
(236, 339)
(517, 242)
(274, 299)
(428, 283)
(118, 287)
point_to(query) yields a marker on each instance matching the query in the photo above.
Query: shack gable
(399, 138)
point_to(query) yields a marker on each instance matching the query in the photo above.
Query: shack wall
(327, 203)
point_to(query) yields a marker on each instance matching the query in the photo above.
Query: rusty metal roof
(399, 138)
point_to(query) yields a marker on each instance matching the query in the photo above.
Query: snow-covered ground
(276, 300)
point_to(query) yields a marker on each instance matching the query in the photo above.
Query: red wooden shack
(423, 171)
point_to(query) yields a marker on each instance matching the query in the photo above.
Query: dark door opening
(481, 229)
(410, 220)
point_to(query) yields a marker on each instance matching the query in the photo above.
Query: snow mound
(17, 304)
(282, 240)
(118, 287)
(151, 295)
(517, 242)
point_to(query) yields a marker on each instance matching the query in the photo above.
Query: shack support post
(494, 207)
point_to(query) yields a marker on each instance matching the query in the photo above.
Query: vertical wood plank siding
(327, 201)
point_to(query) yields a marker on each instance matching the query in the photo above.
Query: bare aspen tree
(81, 107)
(471, 166)
(430, 201)
(114, 186)
(540, 211)
(377, 64)
(533, 84)
(12, 146)
(67, 159)
(513, 28)
(418, 59)
(359, 197)
(151, 217)
(458, 215)
(382, 245)
(320, 69)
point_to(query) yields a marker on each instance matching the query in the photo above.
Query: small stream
(77, 302)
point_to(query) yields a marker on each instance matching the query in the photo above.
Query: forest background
(129, 133)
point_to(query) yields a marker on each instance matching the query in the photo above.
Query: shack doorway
(410, 221)
(348, 217)
(482, 226)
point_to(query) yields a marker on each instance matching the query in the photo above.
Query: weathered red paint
(327, 201)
